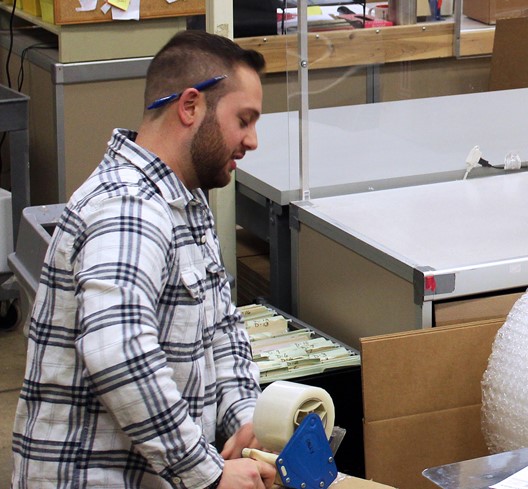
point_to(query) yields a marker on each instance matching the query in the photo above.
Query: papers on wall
(86, 6)
(281, 350)
(125, 9)
(121, 9)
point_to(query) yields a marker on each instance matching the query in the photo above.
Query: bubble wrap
(505, 384)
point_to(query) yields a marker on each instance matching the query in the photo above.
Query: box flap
(397, 451)
(425, 370)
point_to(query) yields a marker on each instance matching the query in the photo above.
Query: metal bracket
(431, 284)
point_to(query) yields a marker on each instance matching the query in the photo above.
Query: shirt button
(203, 239)
(176, 480)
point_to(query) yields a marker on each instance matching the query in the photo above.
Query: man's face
(228, 132)
(210, 154)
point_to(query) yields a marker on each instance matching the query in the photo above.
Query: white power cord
(472, 160)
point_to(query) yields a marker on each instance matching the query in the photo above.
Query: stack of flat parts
(282, 349)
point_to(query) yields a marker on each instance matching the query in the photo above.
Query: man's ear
(188, 106)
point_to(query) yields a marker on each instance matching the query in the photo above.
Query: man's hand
(243, 438)
(244, 473)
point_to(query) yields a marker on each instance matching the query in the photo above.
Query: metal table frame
(270, 222)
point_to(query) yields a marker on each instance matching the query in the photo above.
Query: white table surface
(447, 226)
(383, 145)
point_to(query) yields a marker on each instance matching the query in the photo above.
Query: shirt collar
(169, 185)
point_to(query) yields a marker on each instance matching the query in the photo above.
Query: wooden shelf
(361, 47)
(477, 42)
(30, 18)
(329, 49)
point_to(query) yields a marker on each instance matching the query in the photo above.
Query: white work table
(371, 147)
(411, 247)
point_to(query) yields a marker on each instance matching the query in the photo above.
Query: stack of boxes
(488, 11)
(253, 268)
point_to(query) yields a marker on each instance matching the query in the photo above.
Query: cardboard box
(488, 11)
(468, 310)
(347, 482)
(506, 71)
(422, 400)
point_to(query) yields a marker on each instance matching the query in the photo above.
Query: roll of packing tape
(281, 408)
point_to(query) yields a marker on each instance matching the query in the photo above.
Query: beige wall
(434, 78)
(91, 111)
(43, 151)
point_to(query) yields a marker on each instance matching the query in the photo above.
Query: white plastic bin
(6, 229)
(36, 227)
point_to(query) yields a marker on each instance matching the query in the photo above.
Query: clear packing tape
(505, 384)
(281, 408)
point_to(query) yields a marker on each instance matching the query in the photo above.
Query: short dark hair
(193, 56)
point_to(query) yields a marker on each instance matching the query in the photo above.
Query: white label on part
(515, 481)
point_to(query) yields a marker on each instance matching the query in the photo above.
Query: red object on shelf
(378, 23)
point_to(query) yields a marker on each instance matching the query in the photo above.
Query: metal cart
(36, 228)
(14, 123)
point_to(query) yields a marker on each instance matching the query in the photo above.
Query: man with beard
(136, 355)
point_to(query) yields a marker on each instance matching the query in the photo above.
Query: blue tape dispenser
(297, 421)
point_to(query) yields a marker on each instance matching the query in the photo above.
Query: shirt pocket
(193, 281)
(187, 306)
(218, 299)
(218, 271)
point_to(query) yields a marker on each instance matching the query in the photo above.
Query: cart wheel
(10, 315)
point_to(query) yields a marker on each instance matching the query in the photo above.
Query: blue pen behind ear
(175, 96)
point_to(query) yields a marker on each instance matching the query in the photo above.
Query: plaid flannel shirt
(136, 354)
